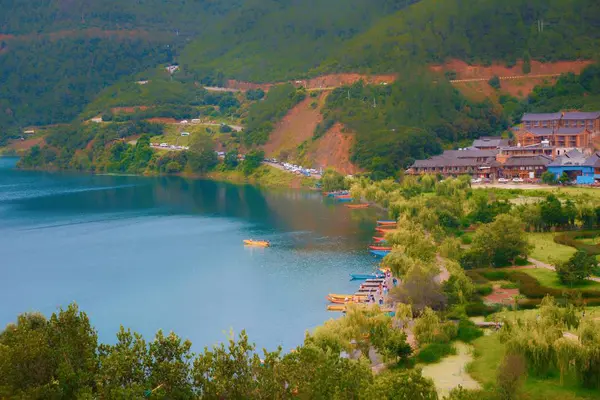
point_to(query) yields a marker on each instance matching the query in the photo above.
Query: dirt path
(540, 264)
(451, 372)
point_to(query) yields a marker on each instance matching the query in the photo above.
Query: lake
(166, 253)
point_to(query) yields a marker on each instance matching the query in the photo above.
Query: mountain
(69, 60)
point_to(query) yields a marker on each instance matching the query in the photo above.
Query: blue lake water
(166, 253)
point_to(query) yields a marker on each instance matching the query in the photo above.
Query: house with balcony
(479, 163)
(526, 167)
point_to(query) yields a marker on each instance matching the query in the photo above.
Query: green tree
(494, 82)
(551, 212)
(564, 178)
(577, 269)
(231, 159)
(526, 63)
(498, 243)
(252, 161)
(549, 178)
(407, 385)
(331, 180)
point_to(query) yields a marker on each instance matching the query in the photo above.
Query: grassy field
(550, 279)
(546, 250)
(488, 356)
(542, 191)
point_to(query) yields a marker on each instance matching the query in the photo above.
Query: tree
(526, 63)
(510, 376)
(577, 269)
(494, 82)
(549, 178)
(420, 289)
(231, 159)
(551, 212)
(252, 161)
(331, 180)
(408, 385)
(564, 178)
(498, 243)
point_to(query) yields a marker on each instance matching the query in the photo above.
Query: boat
(380, 253)
(347, 300)
(338, 193)
(384, 230)
(355, 206)
(378, 239)
(360, 277)
(344, 199)
(372, 247)
(386, 222)
(336, 307)
(341, 296)
(257, 243)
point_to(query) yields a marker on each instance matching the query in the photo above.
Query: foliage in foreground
(60, 358)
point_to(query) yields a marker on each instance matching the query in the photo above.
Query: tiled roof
(541, 131)
(539, 160)
(573, 157)
(470, 153)
(581, 115)
(459, 158)
(490, 142)
(541, 117)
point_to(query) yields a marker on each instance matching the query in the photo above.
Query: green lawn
(488, 356)
(546, 250)
(550, 279)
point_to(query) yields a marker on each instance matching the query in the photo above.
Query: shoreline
(264, 177)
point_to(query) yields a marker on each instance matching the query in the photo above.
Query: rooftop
(557, 131)
(581, 115)
(573, 157)
(541, 116)
(539, 160)
(490, 141)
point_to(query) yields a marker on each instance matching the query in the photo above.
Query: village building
(582, 169)
(526, 167)
(480, 163)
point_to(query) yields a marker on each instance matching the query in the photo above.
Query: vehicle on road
(476, 180)
(518, 180)
(503, 180)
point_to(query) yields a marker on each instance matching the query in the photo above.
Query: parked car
(476, 180)
(518, 180)
(503, 180)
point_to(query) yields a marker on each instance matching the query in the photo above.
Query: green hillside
(480, 31)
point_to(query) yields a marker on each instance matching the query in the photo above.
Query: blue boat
(380, 253)
(344, 199)
(362, 277)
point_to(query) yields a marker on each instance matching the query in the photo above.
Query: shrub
(476, 277)
(465, 239)
(570, 239)
(484, 289)
(468, 331)
(494, 82)
(511, 285)
(522, 261)
(478, 308)
(495, 275)
(433, 352)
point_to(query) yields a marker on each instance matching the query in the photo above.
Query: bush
(476, 309)
(493, 275)
(494, 82)
(433, 352)
(468, 331)
(476, 277)
(521, 261)
(465, 239)
(570, 239)
(484, 289)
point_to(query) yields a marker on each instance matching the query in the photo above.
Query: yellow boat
(344, 296)
(336, 307)
(257, 243)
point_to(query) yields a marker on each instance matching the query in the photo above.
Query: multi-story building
(474, 162)
(578, 167)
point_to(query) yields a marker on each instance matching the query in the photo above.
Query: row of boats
(371, 281)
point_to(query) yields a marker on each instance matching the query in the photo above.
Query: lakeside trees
(60, 358)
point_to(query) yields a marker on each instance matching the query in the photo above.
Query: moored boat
(257, 243)
(386, 222)
(340, 296)
(336, 307)
(384, 230)
(344, 199)
(335, 300)
(355, 206)
(378, 239)
(372, 247)
(360, 277)
(380, 253)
